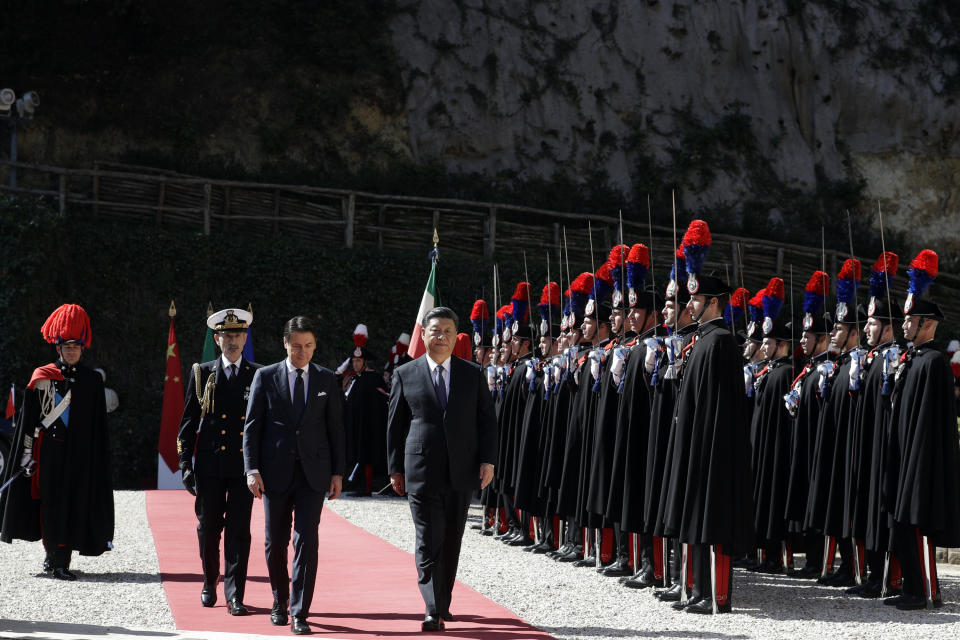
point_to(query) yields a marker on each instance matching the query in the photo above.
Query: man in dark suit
(441, 446)
(212, 423)
(293, 447)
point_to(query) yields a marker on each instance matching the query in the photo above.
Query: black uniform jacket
(216, 440)
(433, 448)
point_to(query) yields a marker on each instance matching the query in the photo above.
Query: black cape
(803, 443)
(366, 420)
(710, 492)
(924, 456)
(773, 428)
(74, 507)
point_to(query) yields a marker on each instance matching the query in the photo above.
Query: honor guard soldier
(212, 424)
(924, 473)
(365, 416)
(61, 490)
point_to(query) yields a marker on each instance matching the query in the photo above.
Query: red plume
(618, 255)
(550, 294)
(603, 273)
(522, 292)
(480, 311)
(504, 310)
(850, 270)
(639, 253)
(819, 283)
(68, 322)
(774, 288)
(698, 233)
(888, 261)
(740, 297)
(927, 261)
(679, 253)
(757, 299)
(583, 283)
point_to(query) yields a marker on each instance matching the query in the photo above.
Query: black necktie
(298, 396)
(441, 389)
(233, 372)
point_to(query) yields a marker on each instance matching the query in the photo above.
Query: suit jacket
(218, 437)
(436, 449)
(272, 441)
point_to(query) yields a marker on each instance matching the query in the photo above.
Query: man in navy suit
(441, 446)
(293, 450)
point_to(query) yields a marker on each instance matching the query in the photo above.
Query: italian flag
(429, 301)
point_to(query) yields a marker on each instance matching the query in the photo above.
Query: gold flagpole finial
(209, 309)
(436, 238)
(173, 309)
(250, 307)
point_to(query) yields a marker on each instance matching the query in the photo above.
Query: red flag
(11, 405)
(172, 401)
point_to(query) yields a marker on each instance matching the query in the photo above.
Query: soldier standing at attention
(212, 424)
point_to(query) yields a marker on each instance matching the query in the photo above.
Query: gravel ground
(578, 603)
(119, 593)
(120, 588)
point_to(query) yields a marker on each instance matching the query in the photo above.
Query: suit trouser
(439, 517)
(300, 504)
(224, 504)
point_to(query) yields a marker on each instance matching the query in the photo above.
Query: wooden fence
(356, 219)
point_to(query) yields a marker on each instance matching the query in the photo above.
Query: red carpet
(365, 587)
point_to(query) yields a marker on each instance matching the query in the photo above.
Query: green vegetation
(125, 274)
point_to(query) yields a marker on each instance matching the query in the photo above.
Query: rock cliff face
(781, 95)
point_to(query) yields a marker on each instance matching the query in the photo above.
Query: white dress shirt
(292, 378)
(446, 373)
(226, 365)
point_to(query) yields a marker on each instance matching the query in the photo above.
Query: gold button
(222, 448)
(224, 416)
(223, 432)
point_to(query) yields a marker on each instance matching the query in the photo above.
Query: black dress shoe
(642, 581)
(543, 547)
(841, 580)
(432, 623)
(520, 541)
(616, 570)
(574, 554)
(446, 617)
(705, 606)
(893, 601)
(589, 561)
(278, 615)
(299, 626)
(911, 603)
(680, 606)
(62, 574)
(509, 533)
(870, 590)
(47, 567)
(208, 597)
(669, 595)
(235, 608)
(486, 532)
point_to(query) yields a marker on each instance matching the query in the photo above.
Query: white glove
(491, 377)
(856, 368)
(618, 364)
(825, 369)
(673, 344)
(654, 345)
(792, 401)
(595, 364)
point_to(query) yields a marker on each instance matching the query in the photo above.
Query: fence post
(779, 269)
(349, 210)
(276, 210)
(491, 232)
(160, 198)
(556, 236)
(226, 207)
(207, 188)
(737, 267)
(63, 194)
(96, 189)
(381, 220)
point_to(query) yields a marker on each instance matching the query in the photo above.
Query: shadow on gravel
(609, 632)
(198, 577)
(471, 627)
(77, 630)
(119, 576)
(807, 600)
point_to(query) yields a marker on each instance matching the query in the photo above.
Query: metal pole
(856, 562)
(665, 551)
(826, 560)
(596, 548)
(636, 553)
(886, 575)
(683, 573)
